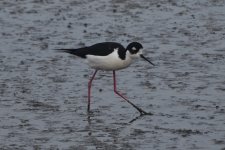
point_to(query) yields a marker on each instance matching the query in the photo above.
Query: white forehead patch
(134, 48)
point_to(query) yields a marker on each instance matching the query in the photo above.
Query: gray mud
(43, 94)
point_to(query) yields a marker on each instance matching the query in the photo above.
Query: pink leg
(89, 89)
(142, 112)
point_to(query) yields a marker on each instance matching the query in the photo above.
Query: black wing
(99, 49)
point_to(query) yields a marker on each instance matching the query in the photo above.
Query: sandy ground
(43, 94)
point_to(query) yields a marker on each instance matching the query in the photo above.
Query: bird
(109, 56)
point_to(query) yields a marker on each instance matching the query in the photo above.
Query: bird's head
(135, 50)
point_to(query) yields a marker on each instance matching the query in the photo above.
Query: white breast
(109, 62)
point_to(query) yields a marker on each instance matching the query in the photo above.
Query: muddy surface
(43, 94)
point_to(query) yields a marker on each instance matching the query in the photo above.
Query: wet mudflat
(43, 94)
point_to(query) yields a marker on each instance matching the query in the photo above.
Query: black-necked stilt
(109, 56)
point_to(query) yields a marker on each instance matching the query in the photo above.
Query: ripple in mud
(36, 105)
(182, 132)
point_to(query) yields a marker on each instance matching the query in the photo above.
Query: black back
(99, 49)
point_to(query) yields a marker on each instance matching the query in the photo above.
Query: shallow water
(43, 94)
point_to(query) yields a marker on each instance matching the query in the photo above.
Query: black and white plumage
(109, 56)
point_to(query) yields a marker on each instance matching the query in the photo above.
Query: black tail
(70, 51)
(77, 52)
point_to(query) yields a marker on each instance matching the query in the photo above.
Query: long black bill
(142, 56)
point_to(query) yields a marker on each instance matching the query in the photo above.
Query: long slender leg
(89, 89)
(142, 112)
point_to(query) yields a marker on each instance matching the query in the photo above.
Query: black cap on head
(134, 47)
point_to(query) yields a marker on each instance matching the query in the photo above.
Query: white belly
(109, 62)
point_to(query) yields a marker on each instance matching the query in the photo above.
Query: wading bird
(109, 56)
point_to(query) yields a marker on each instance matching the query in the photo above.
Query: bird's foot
(142, 112)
